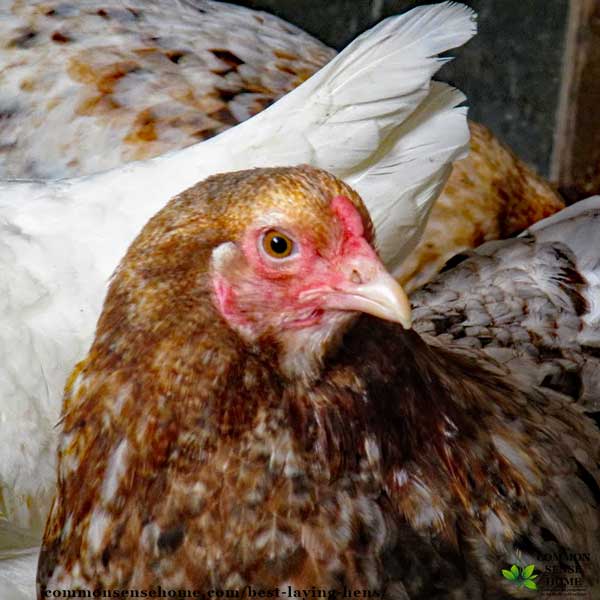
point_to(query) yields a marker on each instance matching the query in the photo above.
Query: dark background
(510, 72)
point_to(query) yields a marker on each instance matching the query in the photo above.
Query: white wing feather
(18, 562)
(410, 169)
(370, 116)
(17, 574)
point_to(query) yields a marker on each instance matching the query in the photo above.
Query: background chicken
(125, 82)
(528, 305)
(128, 81)
(236, 421)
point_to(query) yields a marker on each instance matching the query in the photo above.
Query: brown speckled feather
(129, 81)
(531, 304)
(189, 459)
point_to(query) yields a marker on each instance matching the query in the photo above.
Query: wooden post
(575, 164)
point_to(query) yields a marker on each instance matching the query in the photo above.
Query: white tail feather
(341, 114)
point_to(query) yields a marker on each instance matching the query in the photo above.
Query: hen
(256, 411)
(129, 82)
(372, 116)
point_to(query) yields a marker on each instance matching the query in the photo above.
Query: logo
(554, 574)
(521, 577)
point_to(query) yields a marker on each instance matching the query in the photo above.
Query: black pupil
(279, 245)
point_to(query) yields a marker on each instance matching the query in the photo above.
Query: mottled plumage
(89, 85)
(198, 449)
(532, 304)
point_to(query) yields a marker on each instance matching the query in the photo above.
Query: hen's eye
(277, 244)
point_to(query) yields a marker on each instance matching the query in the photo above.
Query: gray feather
(530, 303)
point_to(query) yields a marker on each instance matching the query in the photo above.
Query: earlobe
(224, 296)
(222, 260)
(227, 304)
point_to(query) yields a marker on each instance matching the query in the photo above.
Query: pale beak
(377, 294)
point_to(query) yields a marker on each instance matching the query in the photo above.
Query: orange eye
(277, 244)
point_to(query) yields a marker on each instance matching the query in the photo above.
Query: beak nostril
(355, 277)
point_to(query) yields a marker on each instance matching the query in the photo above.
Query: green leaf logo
(522, 577)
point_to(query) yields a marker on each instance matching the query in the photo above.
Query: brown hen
(238, 424)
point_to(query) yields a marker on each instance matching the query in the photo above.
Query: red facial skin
(291, 292)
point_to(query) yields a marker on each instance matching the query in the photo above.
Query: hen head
(285, 255)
